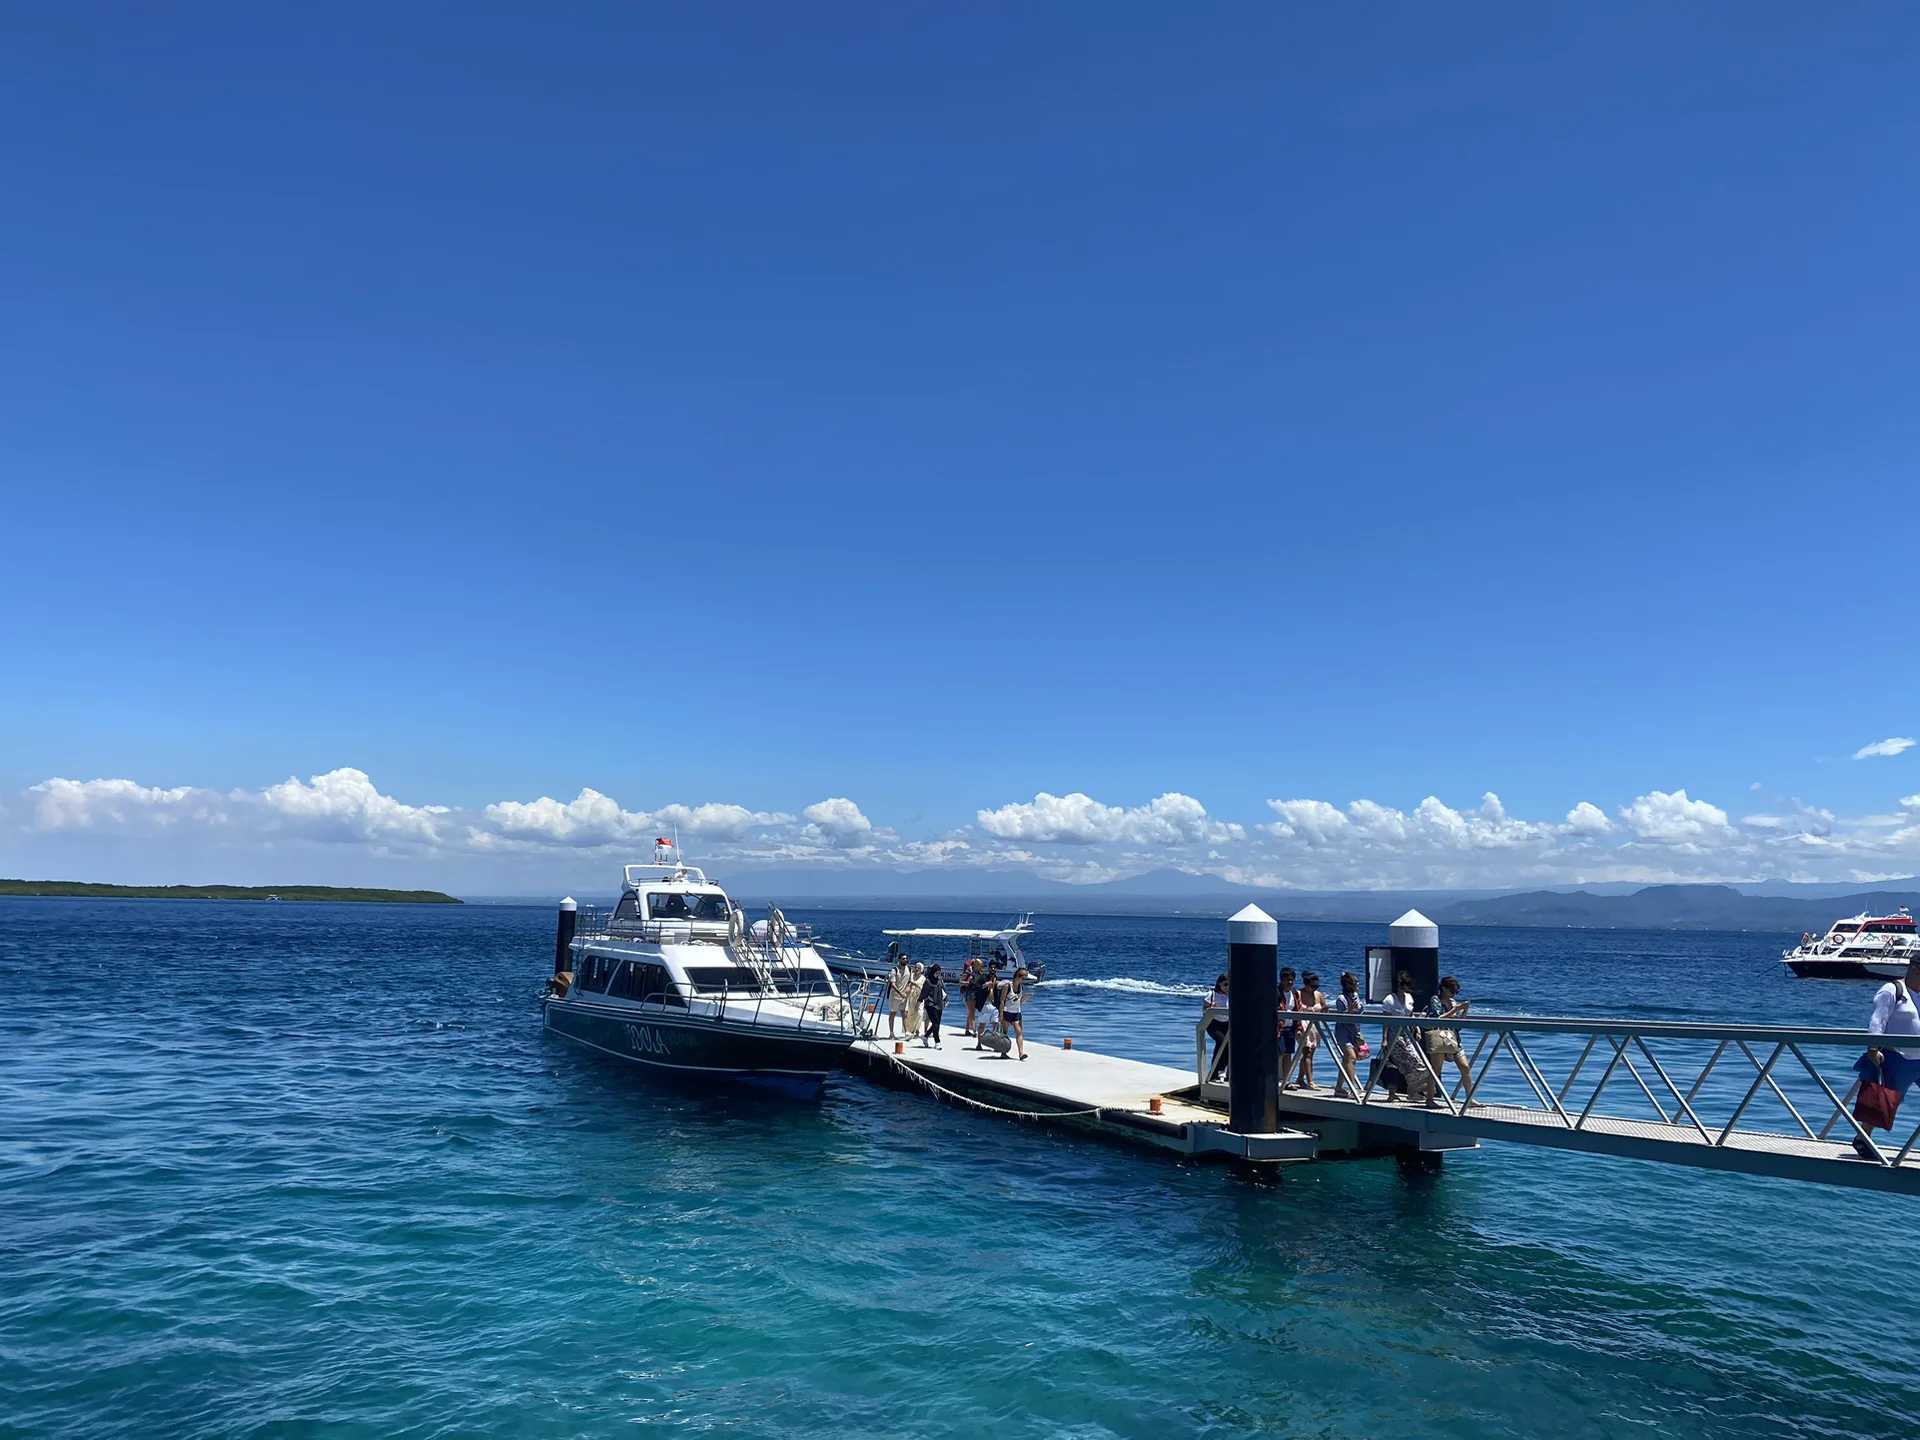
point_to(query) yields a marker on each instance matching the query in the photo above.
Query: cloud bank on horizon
(1302, 843)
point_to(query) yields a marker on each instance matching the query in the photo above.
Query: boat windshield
(676, 905)
(712, 979)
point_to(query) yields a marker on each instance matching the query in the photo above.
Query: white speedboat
(1001, 944)
(675, 980)
(1863, 947)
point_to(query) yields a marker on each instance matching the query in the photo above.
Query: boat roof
(632, 877)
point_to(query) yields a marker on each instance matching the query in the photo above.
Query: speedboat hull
(794, 1061)
(1836, 967)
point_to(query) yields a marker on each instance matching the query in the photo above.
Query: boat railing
(595, 924)
(1697, 1082)
(818, 1005)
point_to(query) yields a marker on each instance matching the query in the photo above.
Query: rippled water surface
(315, 1169)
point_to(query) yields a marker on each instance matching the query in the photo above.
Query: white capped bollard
(1414, 942)
(563, 939)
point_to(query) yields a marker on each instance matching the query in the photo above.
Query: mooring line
(939, 1089)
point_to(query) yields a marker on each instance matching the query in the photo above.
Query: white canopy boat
(1861, 947)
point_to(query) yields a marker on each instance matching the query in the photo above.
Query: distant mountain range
(1776, 905)
(1676, 907)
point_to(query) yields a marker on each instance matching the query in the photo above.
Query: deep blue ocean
(315, 1169)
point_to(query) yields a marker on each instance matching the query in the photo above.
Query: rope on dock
(939, 1089)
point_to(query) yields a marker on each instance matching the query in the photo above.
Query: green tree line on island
(223, 892)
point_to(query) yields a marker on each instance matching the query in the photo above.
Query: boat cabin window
(595, 971)
(627, 909)
(647, 983)
(676, 905)
(712, 979)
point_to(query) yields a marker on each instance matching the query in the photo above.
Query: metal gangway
(1771, 1100)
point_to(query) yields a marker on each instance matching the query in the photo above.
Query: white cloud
(1307, 842)
(838, 820)
(1315, 823)
(593, 819)
(344, 804)
(716, 821)
(61, 804)
(590, 818)
(1664, 817)
(1586, 818)
(1079, 819)
(1892, 745)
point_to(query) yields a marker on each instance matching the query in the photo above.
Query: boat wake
(1127, 985)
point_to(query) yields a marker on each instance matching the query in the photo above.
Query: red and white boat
(1865, 947)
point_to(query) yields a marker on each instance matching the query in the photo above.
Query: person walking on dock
(933, 999)
(897, 981)
(987, 1021)
(1444, 1044)
(1346, 1034)
(1013, 1006)
(1286, 1027)
(1217, 1028)
(916, 981)
(1896, 1011)
(1310, 1002)
(1403, 1055)
(970, 974)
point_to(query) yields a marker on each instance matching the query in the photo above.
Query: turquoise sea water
(280, 1170)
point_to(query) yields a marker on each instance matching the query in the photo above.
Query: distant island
(223, 892)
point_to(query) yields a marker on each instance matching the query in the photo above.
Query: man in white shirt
(1896, 1012)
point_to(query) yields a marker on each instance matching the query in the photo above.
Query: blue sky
(936, 409)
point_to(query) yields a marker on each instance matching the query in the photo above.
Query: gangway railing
(1760, 1098)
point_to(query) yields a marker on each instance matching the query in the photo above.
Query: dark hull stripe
(686, 1069)
(1828, 969)
(707, 1049)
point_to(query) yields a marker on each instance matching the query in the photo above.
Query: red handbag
(1874, 1107)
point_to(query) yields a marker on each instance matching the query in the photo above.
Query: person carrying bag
(1886, 1072)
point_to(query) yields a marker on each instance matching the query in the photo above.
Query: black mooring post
(1415, 943)
(563, 941)
(1253, 1050)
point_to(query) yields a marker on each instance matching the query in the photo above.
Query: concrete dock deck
(1102, 1094)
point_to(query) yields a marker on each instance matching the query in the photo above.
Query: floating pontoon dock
(1767, 1100)
(1101, 1094)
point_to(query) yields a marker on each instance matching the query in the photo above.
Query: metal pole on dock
(1253, 1049)
(563, 940)
(1414, 942)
